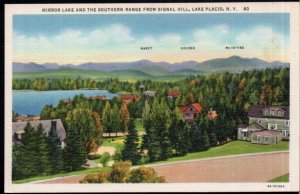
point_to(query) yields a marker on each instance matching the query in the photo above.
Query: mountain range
(231, 64)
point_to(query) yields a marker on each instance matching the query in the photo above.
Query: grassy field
(231, 148)
(116, 142)
(283, 178)
(84, 171)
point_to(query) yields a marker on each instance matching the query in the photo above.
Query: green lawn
(231, 148)
(116, 142)
(85, 171)
(138, 125)
(283, 178)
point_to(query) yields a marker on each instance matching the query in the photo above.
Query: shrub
(101, 177)
(94, 157)
(145, 175)
(120, 172)
(117, 156)
(105, 158)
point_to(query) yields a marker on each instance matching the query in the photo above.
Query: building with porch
(267, 119)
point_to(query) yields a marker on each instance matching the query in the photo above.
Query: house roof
(196, 106)
(98, 97)
(257, 111)
(174, 93)
(266, 133)
(18, 127)
(242, 126)
(67, 100)
(258, 126)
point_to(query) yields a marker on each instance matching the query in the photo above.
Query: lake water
(32, 102)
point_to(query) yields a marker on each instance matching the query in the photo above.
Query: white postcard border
(278, 7)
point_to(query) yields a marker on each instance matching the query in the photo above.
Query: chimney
(53, 125)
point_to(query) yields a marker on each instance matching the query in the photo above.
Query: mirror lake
(32, 102)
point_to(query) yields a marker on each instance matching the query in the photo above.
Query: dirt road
(251, 168)
(244, 168)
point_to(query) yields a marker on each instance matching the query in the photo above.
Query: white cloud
(222, 28)
(264, 40)
(73, 43)
(170, 39)
(213, 36)
(70, 38)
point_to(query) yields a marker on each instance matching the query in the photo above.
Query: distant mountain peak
(233, 63)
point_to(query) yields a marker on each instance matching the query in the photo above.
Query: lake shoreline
(32, 102)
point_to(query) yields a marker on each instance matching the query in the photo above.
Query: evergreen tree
(159, 147)
(55, 152)
(130, 151)
(204, 140)
(106, 118)
(184, 138)
(42, 152)
(115, 119)
(163, 125)
(178, 134)
(74, 152)
(125, 117)
(29, 158)
(212, 133)
(154, 147)
(195, 137)
(146, 121)
(17, 162)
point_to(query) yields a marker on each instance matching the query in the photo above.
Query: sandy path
(254, 168)
(248, 168)
(102, 149)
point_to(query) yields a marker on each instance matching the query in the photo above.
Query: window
(286, 133)
(286, 123)
(280, 113)
(258, 138)
(266, 112)
(272, 126)
(266, 139)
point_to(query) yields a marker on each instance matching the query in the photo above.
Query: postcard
(152, 97)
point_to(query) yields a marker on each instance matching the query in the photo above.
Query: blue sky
(106, 38)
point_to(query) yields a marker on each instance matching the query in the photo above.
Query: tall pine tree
(74, 152)
(55, 152)
(28, 156)
(42, 150)
(125, 117)
(106, 118)
(146, 121)
(195, 138)
(178, 133)
(130, 151)
(204, 140)
(115, 119)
